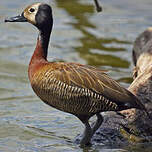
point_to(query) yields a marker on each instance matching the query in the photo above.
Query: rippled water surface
(80, 34)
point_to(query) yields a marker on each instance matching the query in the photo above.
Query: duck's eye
(32, 10)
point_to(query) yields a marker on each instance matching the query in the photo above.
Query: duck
(81, 90)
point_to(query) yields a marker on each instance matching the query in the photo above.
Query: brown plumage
(78, 89)
(83, 90)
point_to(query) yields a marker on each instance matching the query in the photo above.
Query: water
(79, 35)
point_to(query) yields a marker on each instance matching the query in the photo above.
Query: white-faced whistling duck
(78, 89)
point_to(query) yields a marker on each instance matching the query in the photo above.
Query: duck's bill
(19, 18)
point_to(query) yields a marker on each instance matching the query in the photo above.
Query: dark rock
(136, 126)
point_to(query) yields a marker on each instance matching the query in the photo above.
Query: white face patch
(31, 11)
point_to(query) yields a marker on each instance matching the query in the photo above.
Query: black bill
(19, 18)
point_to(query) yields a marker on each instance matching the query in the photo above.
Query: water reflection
(89, 41)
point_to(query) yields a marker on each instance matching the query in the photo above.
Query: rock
(136, 126)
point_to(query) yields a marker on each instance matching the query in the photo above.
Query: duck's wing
(94, 79)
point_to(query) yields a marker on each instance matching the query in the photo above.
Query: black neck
(44, 22)
(44, 37)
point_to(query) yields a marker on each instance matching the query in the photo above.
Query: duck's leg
(87, 134)
(98, 123)
(98, 7)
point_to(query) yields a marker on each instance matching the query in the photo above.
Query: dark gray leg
(89, 132)
(86, 135)
(98, 123)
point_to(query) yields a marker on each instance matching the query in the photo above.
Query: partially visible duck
(78, 89)
(98, 7)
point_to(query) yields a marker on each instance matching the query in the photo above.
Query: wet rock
(136, 126)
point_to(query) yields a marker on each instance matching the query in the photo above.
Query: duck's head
(38, 14)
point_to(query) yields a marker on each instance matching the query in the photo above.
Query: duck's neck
(39, 57)
(41, 49)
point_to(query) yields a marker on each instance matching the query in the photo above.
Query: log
(136, 126)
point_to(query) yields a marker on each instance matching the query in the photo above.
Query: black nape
(44, 19)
